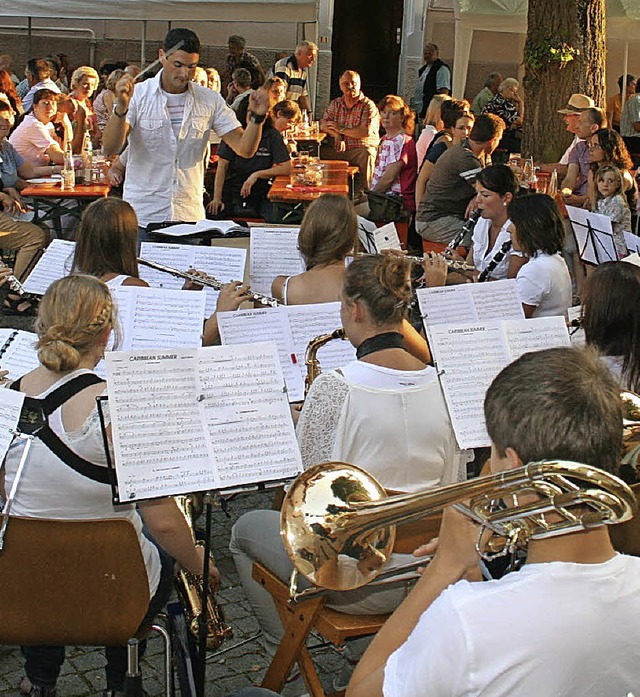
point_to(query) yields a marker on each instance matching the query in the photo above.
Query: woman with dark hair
(606, 147)
(397, 162)
(611, 321)
(537, 232)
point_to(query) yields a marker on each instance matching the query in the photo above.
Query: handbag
(387, 208)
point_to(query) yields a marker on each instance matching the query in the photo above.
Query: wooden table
(335, 181)
(50, 203)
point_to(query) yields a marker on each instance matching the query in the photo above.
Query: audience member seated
(396, 165)
(508, 105)
(450, 189)
(8, 89)
(37, 73)
(616, 102)
(353, 122)
(103, 103)
(276, 88)
(84, 83)
(242, 184)
(75, 320)
(384, 412)
(457, 122)
(239, 57)
(200, 77)
(241, 86)
(6, 63)
(630, 125)
(566, 623)
(432, 124)
(606, 147)
(35, 137)
(487, 93)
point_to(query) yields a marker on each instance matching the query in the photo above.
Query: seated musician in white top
(566, 623)
(106, 248)
(384, 412)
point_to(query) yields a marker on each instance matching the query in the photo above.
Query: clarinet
(497, 258)
(14, 283)
(467, 230)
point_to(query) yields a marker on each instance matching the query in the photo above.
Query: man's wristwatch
(258, 118)
(115, 111)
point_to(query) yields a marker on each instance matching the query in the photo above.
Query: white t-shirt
(549, 630)
(544, 282)
(481, 256)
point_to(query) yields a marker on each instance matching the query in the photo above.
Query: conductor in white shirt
(168, 121)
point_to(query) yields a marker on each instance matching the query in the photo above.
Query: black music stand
(595, 244)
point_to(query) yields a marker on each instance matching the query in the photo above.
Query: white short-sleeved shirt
(32, 139)
(544, 282)
(550, 629)
(165, 172)
(482, 257)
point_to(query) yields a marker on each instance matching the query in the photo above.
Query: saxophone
(311, 355)
(189, 586)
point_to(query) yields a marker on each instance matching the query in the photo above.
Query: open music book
(195, 419)
(273, 251)
(291, 328)
(219, 228)
(471, 355)
(54, 263)
(18, 352)
(468, 302)
(223, 263)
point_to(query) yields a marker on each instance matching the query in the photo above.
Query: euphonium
(631, 433)
(311, 355)
(338, 526)
(189, 586)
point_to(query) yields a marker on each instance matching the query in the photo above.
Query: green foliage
(542, 54)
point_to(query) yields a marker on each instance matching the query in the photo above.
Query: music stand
(593, 234)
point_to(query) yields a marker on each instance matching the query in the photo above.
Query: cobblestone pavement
(82, 674)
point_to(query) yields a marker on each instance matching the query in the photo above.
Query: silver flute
(13, 282)
(208, 281)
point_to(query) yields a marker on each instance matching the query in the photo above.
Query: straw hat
(577, 103)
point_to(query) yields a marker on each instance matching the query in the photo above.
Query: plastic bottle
(68, 171)
(87, 159)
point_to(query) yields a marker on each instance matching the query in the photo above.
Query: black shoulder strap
(54, 400)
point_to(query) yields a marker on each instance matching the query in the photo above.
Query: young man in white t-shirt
(567, 622)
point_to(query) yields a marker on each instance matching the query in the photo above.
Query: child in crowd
(611, 201)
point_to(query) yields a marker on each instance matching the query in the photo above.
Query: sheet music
(20, 356)
(266, 324)
(273, 252)
(468, 302)
(247, 414)
(471, 355)
(10, 407)
(223, 263)
(55, 263)
(598, 246)
(633, 259)
(159, 441)
(386, 237)
(310, 321)
(536, 334)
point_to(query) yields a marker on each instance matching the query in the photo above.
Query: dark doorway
(366, 37)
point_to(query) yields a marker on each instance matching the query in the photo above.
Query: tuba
(311, 355)
(189, 586)
(338, 525)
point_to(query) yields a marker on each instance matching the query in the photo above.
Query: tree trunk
(548, 84)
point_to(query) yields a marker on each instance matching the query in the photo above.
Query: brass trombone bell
(338, 525)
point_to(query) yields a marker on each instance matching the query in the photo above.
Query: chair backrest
(79, 582)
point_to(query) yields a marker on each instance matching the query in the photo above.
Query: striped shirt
(175, 110)
(295, 77)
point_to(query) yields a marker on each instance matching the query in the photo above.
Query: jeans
(43, 663)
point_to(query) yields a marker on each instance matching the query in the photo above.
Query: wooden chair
(72, 582)
(300, 618)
